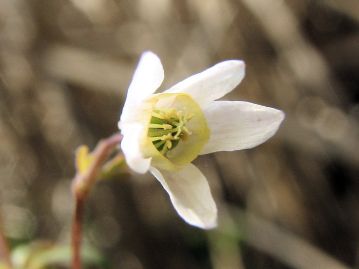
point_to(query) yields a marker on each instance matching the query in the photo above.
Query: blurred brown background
(65, 67)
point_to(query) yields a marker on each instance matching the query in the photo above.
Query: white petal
(190, 195)
(239, 125)
(212, 83)
(147, 78)
(130, 146)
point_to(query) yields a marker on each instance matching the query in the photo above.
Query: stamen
(152, 132)
(160, 126)
(169, 144)
(159, 143)
(167, 128)
(186, 130)
(157, 115)
(164, 150)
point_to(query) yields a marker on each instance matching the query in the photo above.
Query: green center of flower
(176, 130)
(167, 128)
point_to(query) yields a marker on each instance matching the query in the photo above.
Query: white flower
(164, 132)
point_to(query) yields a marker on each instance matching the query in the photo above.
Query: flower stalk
(77, 233)
(4, 249)
(89, 168)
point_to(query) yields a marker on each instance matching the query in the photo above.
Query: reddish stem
(4, 250)
(81, 186)
(77, 233)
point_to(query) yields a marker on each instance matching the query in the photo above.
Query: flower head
(164, 132)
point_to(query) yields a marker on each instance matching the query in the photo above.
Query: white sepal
(190, 195)
(130, 146)
(212, 83)
(237, 125)
(146, 80)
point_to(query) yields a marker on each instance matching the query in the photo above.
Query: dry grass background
(290, 203)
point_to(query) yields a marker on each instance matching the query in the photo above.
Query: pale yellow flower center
(176, 130)
(167, 128)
